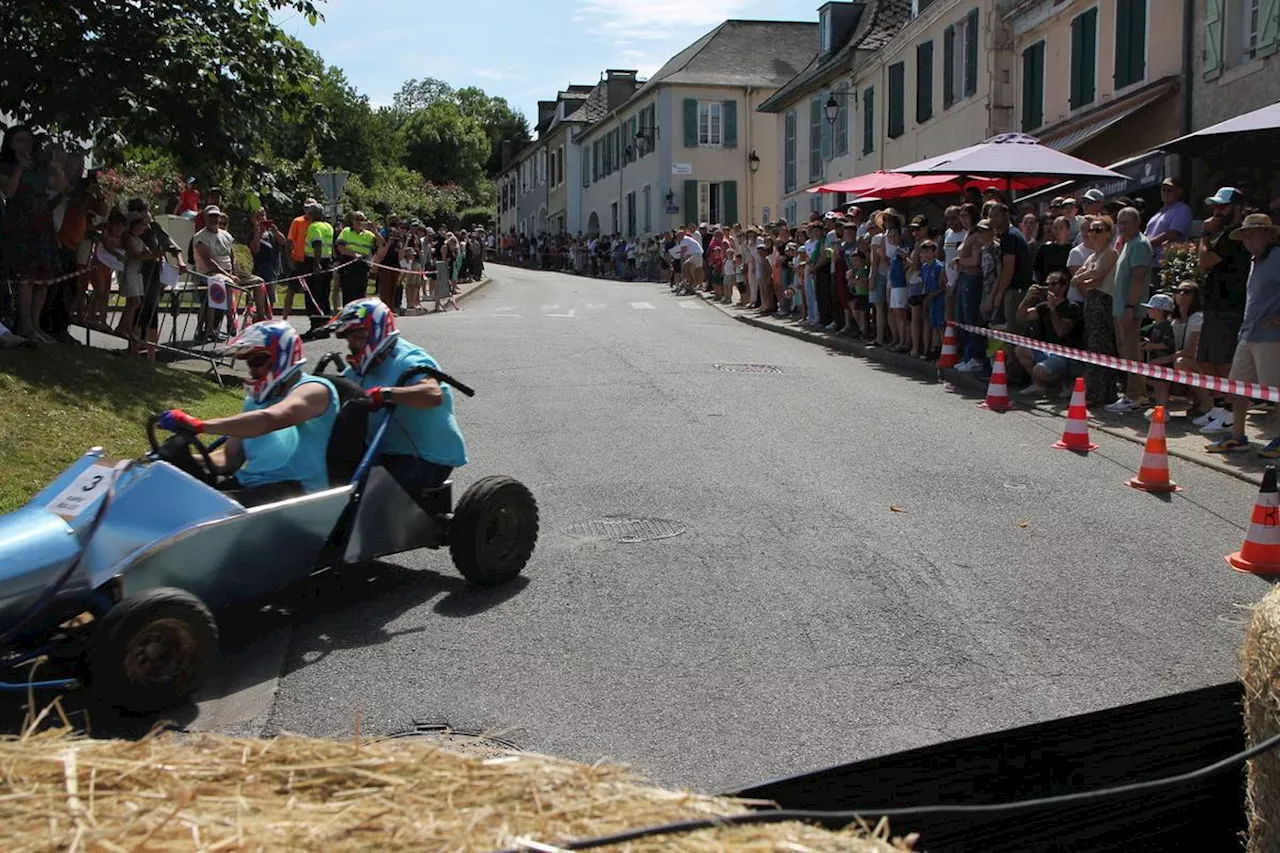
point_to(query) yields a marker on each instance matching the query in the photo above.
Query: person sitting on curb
(1056, 320)
(1257, 356)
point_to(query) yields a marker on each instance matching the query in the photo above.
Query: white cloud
(655, 20)
(490, 73)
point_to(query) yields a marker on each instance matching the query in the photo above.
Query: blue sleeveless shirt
(294, 453)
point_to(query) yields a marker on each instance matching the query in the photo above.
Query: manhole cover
(625, 529)
(459, 740)
(749, 368)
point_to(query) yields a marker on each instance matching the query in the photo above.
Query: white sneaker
(1122, 406)
(970, 366)
(1223, 424)
(1217, 413)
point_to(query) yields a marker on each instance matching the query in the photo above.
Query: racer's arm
(299, 405)
(426, 394)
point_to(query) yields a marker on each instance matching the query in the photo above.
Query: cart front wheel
(153, 650)
(493, 531)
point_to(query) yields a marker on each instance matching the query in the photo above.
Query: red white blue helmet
(281, 343)
(375, 318)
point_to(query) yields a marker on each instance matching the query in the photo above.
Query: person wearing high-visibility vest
(356, 243)
(318, 253)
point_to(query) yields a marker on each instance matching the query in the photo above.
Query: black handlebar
(327, 359)
(437, 375)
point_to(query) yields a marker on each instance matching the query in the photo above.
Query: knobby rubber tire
(168, 610)
(471, 552)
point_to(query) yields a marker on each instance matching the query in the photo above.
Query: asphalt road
(799, 621)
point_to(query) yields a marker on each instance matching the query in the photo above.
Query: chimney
(621, 85)
(546, 112)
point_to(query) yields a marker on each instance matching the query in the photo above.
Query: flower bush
(1181, 263)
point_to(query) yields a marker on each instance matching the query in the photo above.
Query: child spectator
(934, 311)
(918, 325)
(725, 285)
(132, 286)
(1160, 346)
(1186, 337)
(792, 275)
(859, 275)
(897, 255)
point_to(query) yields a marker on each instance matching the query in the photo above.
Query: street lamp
(753, 162)
(832, 110)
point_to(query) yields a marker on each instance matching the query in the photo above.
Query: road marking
(509, 316)
(691, 305)
(594, 306)
(548, 308)
(569, 315)
(643, 306)
(504, 308)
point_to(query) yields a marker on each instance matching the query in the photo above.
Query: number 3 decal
(92, 484)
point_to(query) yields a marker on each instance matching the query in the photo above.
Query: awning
(1266, 118)
(1077, 134)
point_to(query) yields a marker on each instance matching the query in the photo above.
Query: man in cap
(1071, 210)
(1093, 201)
(1170, 224)
(1132, 286)
(212, 249)
(318, 259)
(215, 200)
(1257, 355)
(1226, 262)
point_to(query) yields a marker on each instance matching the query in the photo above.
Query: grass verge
(59, 401)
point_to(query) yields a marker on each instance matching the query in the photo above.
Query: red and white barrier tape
(76, 273)
(1249, 390)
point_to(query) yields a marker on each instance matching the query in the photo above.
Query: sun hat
(1160, 302)
(1255, 222)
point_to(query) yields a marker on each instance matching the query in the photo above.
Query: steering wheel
(176, 451)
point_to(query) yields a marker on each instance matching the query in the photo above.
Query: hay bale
(1260, 671)
(207, 792)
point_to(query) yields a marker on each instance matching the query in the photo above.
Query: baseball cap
(982, 225)
(1226, 195)
(1057, 201)
(1171, 182)
(919, 222)
(1094, 195)
(212, 210)
(1160, 302)
(1070, 201)
(759, 242)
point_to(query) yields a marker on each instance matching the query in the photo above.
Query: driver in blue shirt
(277, 446)
(423, 444)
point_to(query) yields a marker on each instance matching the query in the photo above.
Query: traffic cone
(998, 388)
(1075, 435)
(950, 351)
(1153, 476)
(1260, 553)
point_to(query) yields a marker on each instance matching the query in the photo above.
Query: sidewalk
(1184, 439)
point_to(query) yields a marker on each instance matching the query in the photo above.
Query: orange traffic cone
(950, 350)
(1260, 553)
(1075, 435)
(1153, 476)
(998, 388)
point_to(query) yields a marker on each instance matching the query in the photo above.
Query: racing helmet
(281, 343)
(375, 318)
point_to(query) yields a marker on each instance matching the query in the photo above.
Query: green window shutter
(1213, 39)
(971, 54)
(842, 121)
(1123, 42)
(595, 160)
(1131, 37)
(869, 121)
(729, 202)
(815, 138)
(1268, 27)
(586, 171)
(1077, 62)
(690, 122)
(690, 202)
(730, 118)
(789, 152)
(948, 67)
(1089, 70)
(897, 96)
(924, 82)
(1033, 87)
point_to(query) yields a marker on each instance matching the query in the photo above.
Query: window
(815, 137)
(595, 161)
(1033, 87)
(647, 199)
(586, 171)
(815, 203)
(960, 60)
(708, 202)
(1243, 21)
(897, 96)
(790, 214)
(710, 123)
(869, 120)
(1084, 58)
(918, 6)
(924, 82)
(631, 214)
(842, 120)
(613, 210)
(1131, 41)
(824, 31)
(789, 152)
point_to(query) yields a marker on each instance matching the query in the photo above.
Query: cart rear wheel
(153, 650)
(493, 531)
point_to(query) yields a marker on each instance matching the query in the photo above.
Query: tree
(417, 95)
(199, 80)
(500, 122)
(445, 145)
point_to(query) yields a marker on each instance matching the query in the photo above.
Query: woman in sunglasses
(1096, 279)
(277, 445)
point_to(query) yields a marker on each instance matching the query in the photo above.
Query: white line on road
(643, 305)
(545, 308)
(569, 315)
(509, 316)
(691, 305)
(504, 308)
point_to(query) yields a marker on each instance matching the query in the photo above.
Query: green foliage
(200, 80)
(430, 127)
(1181, 263)
(473, 216)
(406, 193)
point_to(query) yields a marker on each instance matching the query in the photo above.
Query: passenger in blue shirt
(278, 445)
(423, 444)
(934, 308)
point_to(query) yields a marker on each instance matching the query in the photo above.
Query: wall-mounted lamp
(753, 162)
(832, 106)
(671, 197)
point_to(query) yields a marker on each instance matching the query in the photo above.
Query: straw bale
(171, 792)
(1260, 670)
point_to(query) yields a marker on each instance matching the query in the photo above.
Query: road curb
(961, 380)
(476, 288)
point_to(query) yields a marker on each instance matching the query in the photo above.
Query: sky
(521, 51)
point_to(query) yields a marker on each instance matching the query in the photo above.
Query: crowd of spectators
(1088, 274)
(70, 253)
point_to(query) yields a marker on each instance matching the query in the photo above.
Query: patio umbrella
(1265, 118)
(1009, 156)
(893, 185)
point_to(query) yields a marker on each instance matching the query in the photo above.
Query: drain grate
(459, 740)
(749, 368)
(624, 529)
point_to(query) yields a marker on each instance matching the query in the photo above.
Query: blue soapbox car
(110, 577)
